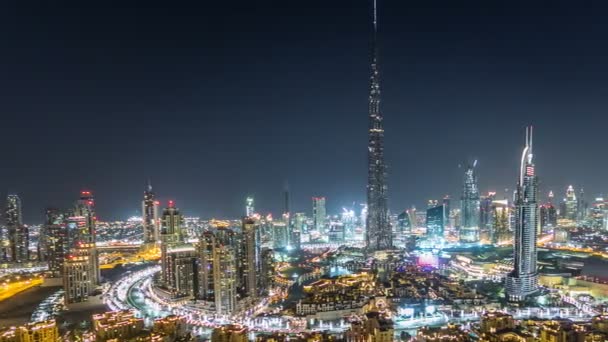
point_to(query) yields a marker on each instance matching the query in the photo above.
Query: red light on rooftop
(171, 204)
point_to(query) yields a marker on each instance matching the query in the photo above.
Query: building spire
(378, 229)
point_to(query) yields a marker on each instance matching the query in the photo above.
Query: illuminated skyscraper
(446, 210)
(250, 262)
(170, 237)
(522, 282)
(571, 204)
(548, 214)
(435, 221)
(150, 216)
(319, 214)
(249, 208)
(85, 208)
(225, 276)
(378, 234)
(499, 232)
(470, 204)
(78, 274)
(18, 234)
(581, 206)
(56, 240)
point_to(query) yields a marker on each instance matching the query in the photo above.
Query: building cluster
(123, 325)
(338, 297)
(502, 327)
(45, 331)
(415, 288)
(226, 271)
(370, 327)
(68, 244)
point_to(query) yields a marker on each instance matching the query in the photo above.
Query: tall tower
(250, 263)
(170, 237)
(85, 208)
(571, 203)
(17, 231)
(150, 216)
(249, 208)
(378, 235)
(319, 214)
(522, 282)
(470, 205)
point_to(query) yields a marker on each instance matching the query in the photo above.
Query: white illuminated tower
(522, 282)
(150, 220)
(249, 208)
(378, 235)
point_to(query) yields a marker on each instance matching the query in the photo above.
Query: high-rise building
(267, 270)
(548, 216)
(170, 237)
(219, 272)
(56, 240)
(286, 204)
(250, 263)
(378, 234)
(435, 221)
(522, 282)
(225, 274)
(18, 234)
(446, 210)
(78, 273)
(571, 204)
(485, 217)
(150, 216)
(319, 214)
(404, 224)
(500, 231)
(81, 264)
(280, 234)
(470, 205)
(85, 208)
(581, 206)
(249, 207)
(181, 267)
(598, 213)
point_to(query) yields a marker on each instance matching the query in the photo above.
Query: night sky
(216, 100)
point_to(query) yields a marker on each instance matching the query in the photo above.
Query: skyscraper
(378, 235)
(150, 216)
(522, 282)
(470, 205)
(404, 225)
(250, 263)
(446, 211)
(56, 240)
(318, 214)
(17, 232)
(170, 237)
(581, 206)
(571, 204)
(435, 221)
(249, 208)
(85, 208)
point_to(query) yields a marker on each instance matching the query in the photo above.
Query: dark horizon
(218, 101)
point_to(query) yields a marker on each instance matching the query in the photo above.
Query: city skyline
(127, 107)
(248, 221)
